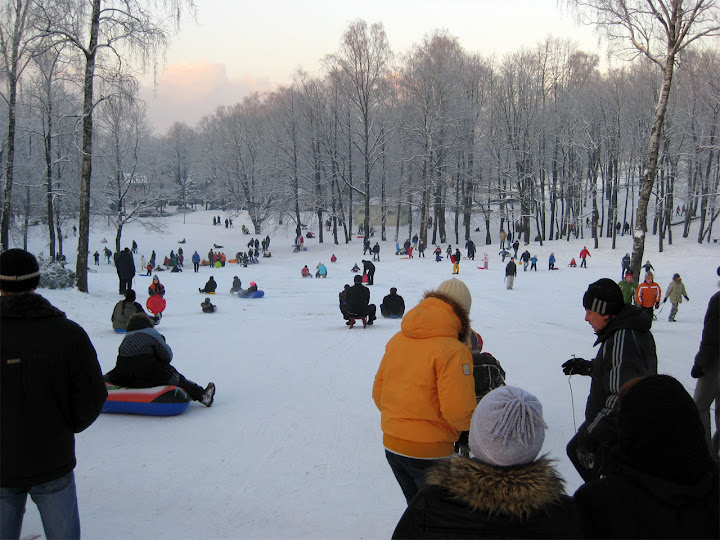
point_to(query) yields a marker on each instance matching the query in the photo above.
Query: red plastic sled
(155, 304)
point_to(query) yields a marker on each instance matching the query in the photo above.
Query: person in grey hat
(503, 490)
(424, 387)
(676, 292)
(52, 388)
(627, 350)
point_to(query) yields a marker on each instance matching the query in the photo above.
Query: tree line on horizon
(539, 141)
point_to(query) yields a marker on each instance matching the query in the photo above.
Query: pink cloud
(186, 92)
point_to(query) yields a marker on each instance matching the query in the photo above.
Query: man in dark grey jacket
(627, 351)
(52, 388)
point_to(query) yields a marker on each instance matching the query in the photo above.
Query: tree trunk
(81, 268)
(648, 178)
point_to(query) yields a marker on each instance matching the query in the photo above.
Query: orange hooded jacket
(424, 387)
(647, 294)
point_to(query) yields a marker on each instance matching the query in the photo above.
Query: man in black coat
(627, 351)
(470, 246)
(369, 269)
(358, 300)
(510, 273)
(52, 388)
(393, 305)
(125, 265)
(706, 370)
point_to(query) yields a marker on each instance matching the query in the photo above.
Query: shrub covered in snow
(54, 276)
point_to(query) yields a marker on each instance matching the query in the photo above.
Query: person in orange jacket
(424, 387)
(648, 294)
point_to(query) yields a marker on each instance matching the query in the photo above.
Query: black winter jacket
(709, 354)
(358, 298)
(465, 498)
(143, 360)
(629, 503)
(52, 387)
(627, 350)
(125, 265)
(392, 305)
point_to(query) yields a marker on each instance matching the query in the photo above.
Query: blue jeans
(56, 500)
(409, 472)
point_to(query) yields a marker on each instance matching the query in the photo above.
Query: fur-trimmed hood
(464, 316)
(27, 306)
(516, 492)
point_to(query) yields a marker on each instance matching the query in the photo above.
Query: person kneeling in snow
(144, 360)
(207, 306)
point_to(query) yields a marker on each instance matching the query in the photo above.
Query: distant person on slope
(393, 305)
(210, 286)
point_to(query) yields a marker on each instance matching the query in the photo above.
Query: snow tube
(254, 294)
(155, 304)
(165, 400)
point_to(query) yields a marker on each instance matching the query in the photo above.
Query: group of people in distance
(647, 294)
(644, 452)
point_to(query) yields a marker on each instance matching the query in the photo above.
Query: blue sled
(119, 331)
(151, 409)
(254, 294)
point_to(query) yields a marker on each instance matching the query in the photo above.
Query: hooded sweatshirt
(424, 387)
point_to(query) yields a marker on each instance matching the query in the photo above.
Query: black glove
(577, 366)
(664, 300)
(687, 299)
(657, 305)
(696, 372)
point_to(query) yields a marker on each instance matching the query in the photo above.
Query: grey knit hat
(507, 427)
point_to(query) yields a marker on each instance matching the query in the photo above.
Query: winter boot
(208, 395)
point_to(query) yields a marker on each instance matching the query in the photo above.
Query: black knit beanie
(604, 297)
(661, 432)
(130, 295)
(19, 271)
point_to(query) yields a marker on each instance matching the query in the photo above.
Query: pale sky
(238, 46)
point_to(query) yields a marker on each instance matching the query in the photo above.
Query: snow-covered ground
(292, 446)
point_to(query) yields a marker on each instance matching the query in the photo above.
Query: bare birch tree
(106, 34)
(658, 30)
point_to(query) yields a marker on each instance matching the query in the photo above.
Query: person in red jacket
(424, 387)
(583, 254)
(648, 294)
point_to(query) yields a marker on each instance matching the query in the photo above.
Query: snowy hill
(292, 446)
